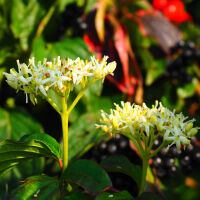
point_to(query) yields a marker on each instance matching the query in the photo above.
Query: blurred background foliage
(158, 59)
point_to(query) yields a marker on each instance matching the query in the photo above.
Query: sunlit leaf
(89, 5)
(23, 18)
(66, 48)
(13, 153)
(47, 140)
(188, 90)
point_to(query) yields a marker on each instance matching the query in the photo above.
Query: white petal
(60, 84)
(41, 87)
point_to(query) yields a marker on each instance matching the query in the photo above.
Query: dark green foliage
(123, 165)
(41, 187)
(123, 195)
(88, 175)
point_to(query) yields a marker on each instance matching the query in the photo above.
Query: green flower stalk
(144, 125)
(54, 80)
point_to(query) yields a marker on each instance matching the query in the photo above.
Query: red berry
(160, 4)
(174, 11)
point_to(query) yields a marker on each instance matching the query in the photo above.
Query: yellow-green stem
(64, 117)
(81, 93)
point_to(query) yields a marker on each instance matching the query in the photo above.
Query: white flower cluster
(141, 120)
(37, 79)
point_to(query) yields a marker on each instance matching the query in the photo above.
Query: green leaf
(72, 48)
(123, 165)
(63, 3)
(66, 48)
(149, 196)
(77, 196)
(89, 5)
(88, 175)
(13, 125)
(156, 69)
(55, 98)
(191, 32)
(50, 142)
(1, 74)
(16, 123)
(23, 20)
(92, 95)
(108, 195)
(83, 133)
(40, 187)
(20, 172)
(39, 50)
(188, 90)
(13, 153)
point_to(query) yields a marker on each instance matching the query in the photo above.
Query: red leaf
(120, 45)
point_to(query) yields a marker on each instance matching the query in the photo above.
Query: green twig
(158, 149)
(46, 19)
(145, 160)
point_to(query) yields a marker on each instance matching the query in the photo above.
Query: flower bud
(13, 72)
(115, 123)
(98, 73)
(189, 126)
(153, 119)
(12, 84)
(111, 67)
(159, 126)
(105, 128)
(24, 69)
(8, 76)
(193, 132)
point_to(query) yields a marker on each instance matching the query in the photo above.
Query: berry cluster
(187, 54)
(170, 161)
(172, 9)
(116, 146)
(167, 163)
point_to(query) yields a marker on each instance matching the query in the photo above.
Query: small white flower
(36, 79)
(134, 119)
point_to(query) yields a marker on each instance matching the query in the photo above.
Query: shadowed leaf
(108, 195)
(40, 187)
(88, 175)
(123, 165)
